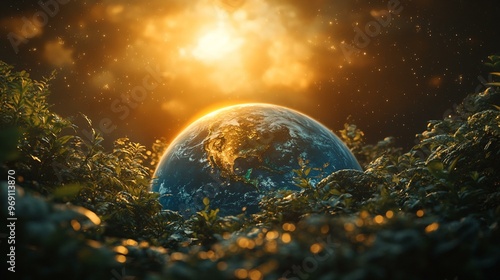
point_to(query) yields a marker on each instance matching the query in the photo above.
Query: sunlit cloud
(114, 11)
(230, 5)
(294, 73)
(379, 13)
(57, 54)
(103, 80)
(23, 27)
(174, 107)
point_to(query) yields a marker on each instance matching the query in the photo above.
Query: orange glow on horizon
(213, 109)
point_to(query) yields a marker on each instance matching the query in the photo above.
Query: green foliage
(206, 227)
(51, 157)
(26, 119)
(493, 62)
(50, 240)
(86, 212)
(9, 138)
(353, 137)
(304, 178)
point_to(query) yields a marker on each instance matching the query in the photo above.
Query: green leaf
(298, 172)
(67, 191)
(453, 164)
(335, 192)
(496, 84)
(306, 172)
(435, 166)
(204, 215)
(9, 138)
(494, 57)
(206, 201)
(64, 139)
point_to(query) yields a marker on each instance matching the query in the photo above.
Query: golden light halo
(217, 43)
(234, 46)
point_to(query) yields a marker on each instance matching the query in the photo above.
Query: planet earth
(237, 155)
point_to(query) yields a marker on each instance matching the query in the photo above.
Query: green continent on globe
(236, 155)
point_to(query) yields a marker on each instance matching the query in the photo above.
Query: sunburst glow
(216, 44)
(240, 48)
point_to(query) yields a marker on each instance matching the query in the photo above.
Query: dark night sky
(151, 67)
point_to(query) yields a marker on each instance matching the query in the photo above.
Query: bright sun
(217, 43)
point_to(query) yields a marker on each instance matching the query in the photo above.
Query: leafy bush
(84, 212)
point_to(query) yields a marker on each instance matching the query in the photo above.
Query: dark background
(289, 53)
